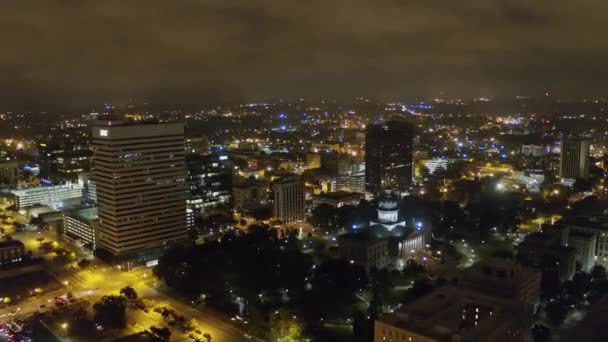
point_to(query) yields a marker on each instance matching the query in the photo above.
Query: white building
(52, 196)
(436, 163)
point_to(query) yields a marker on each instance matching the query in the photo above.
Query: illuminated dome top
(388, 201)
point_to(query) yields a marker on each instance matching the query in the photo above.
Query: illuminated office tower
(574, 158)
(140, 184)
(289, 199)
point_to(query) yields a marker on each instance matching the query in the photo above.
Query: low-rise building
(337, 199)
(250, 194)
(11, 252)
(53, 196)
(585, 244)
(364, 249)
(453, 314)
(80, 227)
(491, 302)
(589, 235)
(543, 251)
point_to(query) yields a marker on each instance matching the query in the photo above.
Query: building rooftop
(452, 311)
(87, 215)
(336, 195)
(594, 222)
(10, 243)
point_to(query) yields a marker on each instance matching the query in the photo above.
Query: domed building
(386, 242)
(388, 212)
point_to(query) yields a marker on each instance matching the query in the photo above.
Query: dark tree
(163, 333)
(556, 312)
(598, 273)
(128, 292)
(110, 311)
(81, 324)
(323, 216)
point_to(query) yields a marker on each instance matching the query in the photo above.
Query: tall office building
(388, 156)
(574, 158)
(140, 184)
(289, 199)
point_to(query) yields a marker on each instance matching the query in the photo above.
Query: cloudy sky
(80, 51)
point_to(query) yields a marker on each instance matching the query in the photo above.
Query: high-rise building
(289, 199)
(574, 158)
(65, 153)
(140, 184)
(388, 156)
(209, 179)
(198, 145)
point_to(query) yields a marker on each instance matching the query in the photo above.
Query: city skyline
(290, 171)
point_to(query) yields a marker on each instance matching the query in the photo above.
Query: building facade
(288, 200)
(9, 173)
(589, 236)
(337, 199)
(140, 183)
(363, 250)
(80, 227)
(574, 158)
(53, 196)
(388, 156)
(209, 180)
(11, 252)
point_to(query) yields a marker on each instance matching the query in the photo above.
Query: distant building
(534, 150)
(336, 163)
(197, 145)
(337, 199)
(354, 182)
(209, 180)
(64, 154)
(492, 302)
(11, 252)
(388, 156)
(574, 158)
(52, 196)
(313, 160)
(289, 197)
(249, 195)
(9, 173)
(80, 227)
(437, 163)
(141, 192)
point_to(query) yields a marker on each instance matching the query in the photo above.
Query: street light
(64, 326)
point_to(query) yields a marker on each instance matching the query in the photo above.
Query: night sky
(76, 52)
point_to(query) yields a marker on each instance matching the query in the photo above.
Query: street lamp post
(64, 326)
